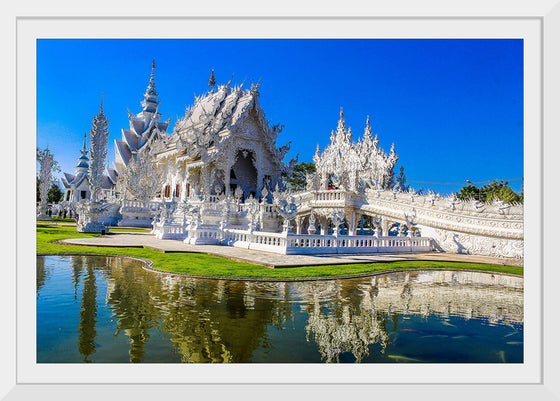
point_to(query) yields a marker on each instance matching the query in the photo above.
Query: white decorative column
(324, 221)
(352, 220)
(384, 226)
(299, 220)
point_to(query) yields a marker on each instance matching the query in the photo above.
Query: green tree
(55, 194)
(468, 192)
(297, 180)
(489, 192)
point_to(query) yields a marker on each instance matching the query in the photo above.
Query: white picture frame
(245, 380)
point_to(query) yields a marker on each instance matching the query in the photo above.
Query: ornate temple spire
(151, 90)
(84, 148)
(317, 155)
(150, 102)
(341, 128)
(83, 160)
(367, 131)
(212, 80)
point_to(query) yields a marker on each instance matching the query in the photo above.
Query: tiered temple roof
(222, 114)
(145, 128)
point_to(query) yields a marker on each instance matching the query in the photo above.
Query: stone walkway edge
(273, 260)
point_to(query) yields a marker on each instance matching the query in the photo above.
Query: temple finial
(212, 80)
(85, 142)
(151, 90)
(341, 128)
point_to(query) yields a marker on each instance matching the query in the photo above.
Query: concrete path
(147, 240)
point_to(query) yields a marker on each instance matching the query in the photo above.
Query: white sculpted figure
(285, 206)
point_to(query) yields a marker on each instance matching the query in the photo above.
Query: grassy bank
(208, 265)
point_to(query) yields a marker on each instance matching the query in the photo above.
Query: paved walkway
(147, 240)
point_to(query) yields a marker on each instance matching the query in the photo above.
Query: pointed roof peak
(212, 79)
(151, 89)
(341, 128)
(84, 148)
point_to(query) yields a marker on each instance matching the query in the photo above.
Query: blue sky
(453, 108)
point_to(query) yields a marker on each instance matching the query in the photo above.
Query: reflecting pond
(110, 310)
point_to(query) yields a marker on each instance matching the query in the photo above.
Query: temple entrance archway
(243, 173)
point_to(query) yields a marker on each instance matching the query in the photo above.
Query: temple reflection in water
(243, 321)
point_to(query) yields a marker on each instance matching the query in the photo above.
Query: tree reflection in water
(88, 313)
(232, 321)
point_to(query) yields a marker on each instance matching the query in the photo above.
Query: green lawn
(208, 265)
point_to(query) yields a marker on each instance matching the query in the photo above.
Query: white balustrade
(319, 244)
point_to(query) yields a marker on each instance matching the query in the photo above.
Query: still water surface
(110, 310)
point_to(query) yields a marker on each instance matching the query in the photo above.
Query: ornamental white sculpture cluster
(46, 163)
(353, 166)
(89, 211)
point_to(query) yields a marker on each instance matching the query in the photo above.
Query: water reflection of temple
(206, 320)
(350, 315)
(227, 321)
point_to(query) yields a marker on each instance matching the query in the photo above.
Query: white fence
(289, 244)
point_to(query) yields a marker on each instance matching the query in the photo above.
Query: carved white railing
(335, 197)
(440, 213)
(322, 244)
(169, 231)
(132, 203)
(204, 235)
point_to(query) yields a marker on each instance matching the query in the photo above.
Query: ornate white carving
(99, 135)
(285, 206)
(353, 166)
(143, 179)
(46, 163)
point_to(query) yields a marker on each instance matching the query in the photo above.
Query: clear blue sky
(453, 108)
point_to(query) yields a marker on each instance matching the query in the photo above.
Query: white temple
(222, 143)
(217, 178)
(76, 186)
